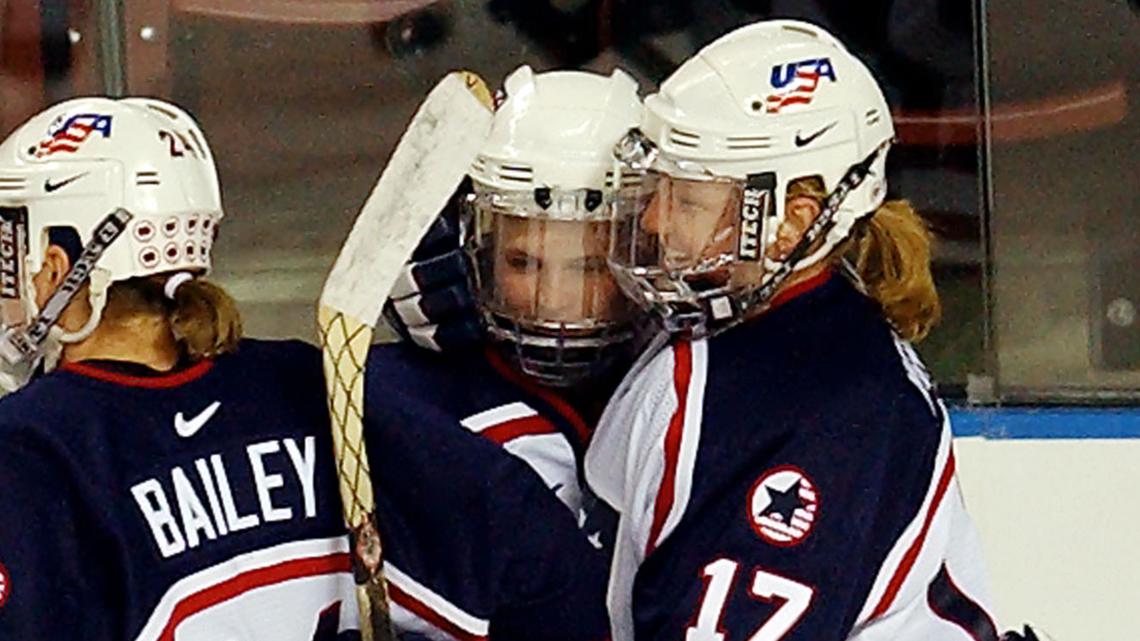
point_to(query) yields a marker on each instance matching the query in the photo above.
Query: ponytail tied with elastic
(205, 319)
(170, 288)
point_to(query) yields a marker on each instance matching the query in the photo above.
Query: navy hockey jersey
(478, 498)
(197, 505)
(790, 479)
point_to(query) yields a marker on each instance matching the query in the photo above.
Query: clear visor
(689, 233)
(546, 271)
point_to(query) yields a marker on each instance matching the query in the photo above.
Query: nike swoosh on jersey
(189, 427)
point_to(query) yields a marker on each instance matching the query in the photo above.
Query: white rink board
(1060, 524)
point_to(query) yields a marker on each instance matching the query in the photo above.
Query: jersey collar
(108, 372)
(552, 398)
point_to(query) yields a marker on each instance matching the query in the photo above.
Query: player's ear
(52, 273)
(799, 213)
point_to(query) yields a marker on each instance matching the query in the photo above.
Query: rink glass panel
(302, 102)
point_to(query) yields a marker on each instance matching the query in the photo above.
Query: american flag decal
(67, 136)
(796, 83)
(783, 506)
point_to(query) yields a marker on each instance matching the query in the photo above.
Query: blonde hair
(890, 251)
(203, 318)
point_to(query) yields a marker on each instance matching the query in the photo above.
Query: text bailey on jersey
(214, 495)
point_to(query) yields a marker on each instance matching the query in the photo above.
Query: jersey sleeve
(553, 581)
(475, 542)
(53, 571)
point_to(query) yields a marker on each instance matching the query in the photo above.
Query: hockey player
(477, 452)
(166, 479)
(783, 469)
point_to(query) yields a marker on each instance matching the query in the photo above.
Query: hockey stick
(428, 164)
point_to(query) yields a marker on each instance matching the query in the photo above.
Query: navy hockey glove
(432, 304)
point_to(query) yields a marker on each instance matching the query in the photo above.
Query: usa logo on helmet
(796, 82)
(783, 506)
(67, 136)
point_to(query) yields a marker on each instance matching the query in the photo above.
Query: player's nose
(560, 301)
(651, 217)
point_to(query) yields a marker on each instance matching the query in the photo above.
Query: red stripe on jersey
(800, 289)
(252, 580)
(682, 373)
(514, 428)
(164, 381)
(911, 555)
(425, 612)
(557, 402)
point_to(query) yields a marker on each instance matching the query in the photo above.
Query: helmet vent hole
(683, 138)
(628, 179)
(801, 30)
(12, 183)
(749, 142)
(757, 105)
(516, 173)
(199, 143)
(149, 257)
(144, 231)
(162, 110)
(147, 179)
(873, 116)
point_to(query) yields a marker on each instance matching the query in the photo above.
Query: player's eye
(521, 261)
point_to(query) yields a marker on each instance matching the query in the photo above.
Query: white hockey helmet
(75, 163)
(538, 224)
(732, 128)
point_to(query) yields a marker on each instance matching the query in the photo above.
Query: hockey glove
(432, 304)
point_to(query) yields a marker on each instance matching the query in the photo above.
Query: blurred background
(1018, 138)
(303, 101)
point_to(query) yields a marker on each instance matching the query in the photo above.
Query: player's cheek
(518, 290)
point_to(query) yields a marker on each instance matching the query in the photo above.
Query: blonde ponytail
(202, 318)
(890, 251)
(205, 320)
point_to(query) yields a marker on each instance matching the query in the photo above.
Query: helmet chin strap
(25, 345)
(100, 280)
(97, 296)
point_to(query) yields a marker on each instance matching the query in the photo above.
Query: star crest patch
(783, 506)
